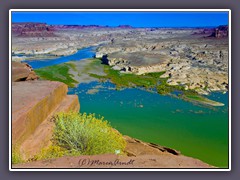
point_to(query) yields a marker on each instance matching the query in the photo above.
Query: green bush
(16, 156)
(82, 134)
(50, 152)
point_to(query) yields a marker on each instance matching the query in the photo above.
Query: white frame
(115, 10)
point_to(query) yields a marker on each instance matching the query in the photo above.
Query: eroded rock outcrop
(22, 72)
(32, 30)
(220, 32)
(193, 62)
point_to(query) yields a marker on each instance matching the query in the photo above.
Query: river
(84, 53)
(197, 131)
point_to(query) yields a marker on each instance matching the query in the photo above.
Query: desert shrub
(52, 151)
(16, 156)
(82, 134)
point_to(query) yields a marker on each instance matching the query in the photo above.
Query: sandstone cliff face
(34, 102)
(220, 32)
(33, 105)
(32, 30)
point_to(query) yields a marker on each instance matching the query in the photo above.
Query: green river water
(197, 131)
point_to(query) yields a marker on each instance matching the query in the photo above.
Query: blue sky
(135, 19)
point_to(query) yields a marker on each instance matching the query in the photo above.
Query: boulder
(22, 72)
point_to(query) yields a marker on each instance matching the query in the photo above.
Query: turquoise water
(196, 131)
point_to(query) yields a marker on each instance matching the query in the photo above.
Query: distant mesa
(205, 31)
(63, 27)
(59, 27)
(35, 29)
(125, 26)
(220, 32)
(31, 29)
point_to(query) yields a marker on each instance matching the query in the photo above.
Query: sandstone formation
(194, 62)
(220, 32)
(22, 72)
(33, 105)
(32, 30)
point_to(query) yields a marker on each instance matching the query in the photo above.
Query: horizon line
(130, 26)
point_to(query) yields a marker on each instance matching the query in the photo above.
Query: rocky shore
(195, 62)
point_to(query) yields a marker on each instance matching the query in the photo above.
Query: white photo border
(118, 10)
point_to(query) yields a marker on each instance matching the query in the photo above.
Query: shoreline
(172, 80)
(90, 67)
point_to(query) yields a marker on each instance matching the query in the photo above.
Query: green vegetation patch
(122, 80)
(58, 72)
(82, 134)
(195, 97)
(202, 100)
(152, 80)
(16, 156)
(148, 80)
